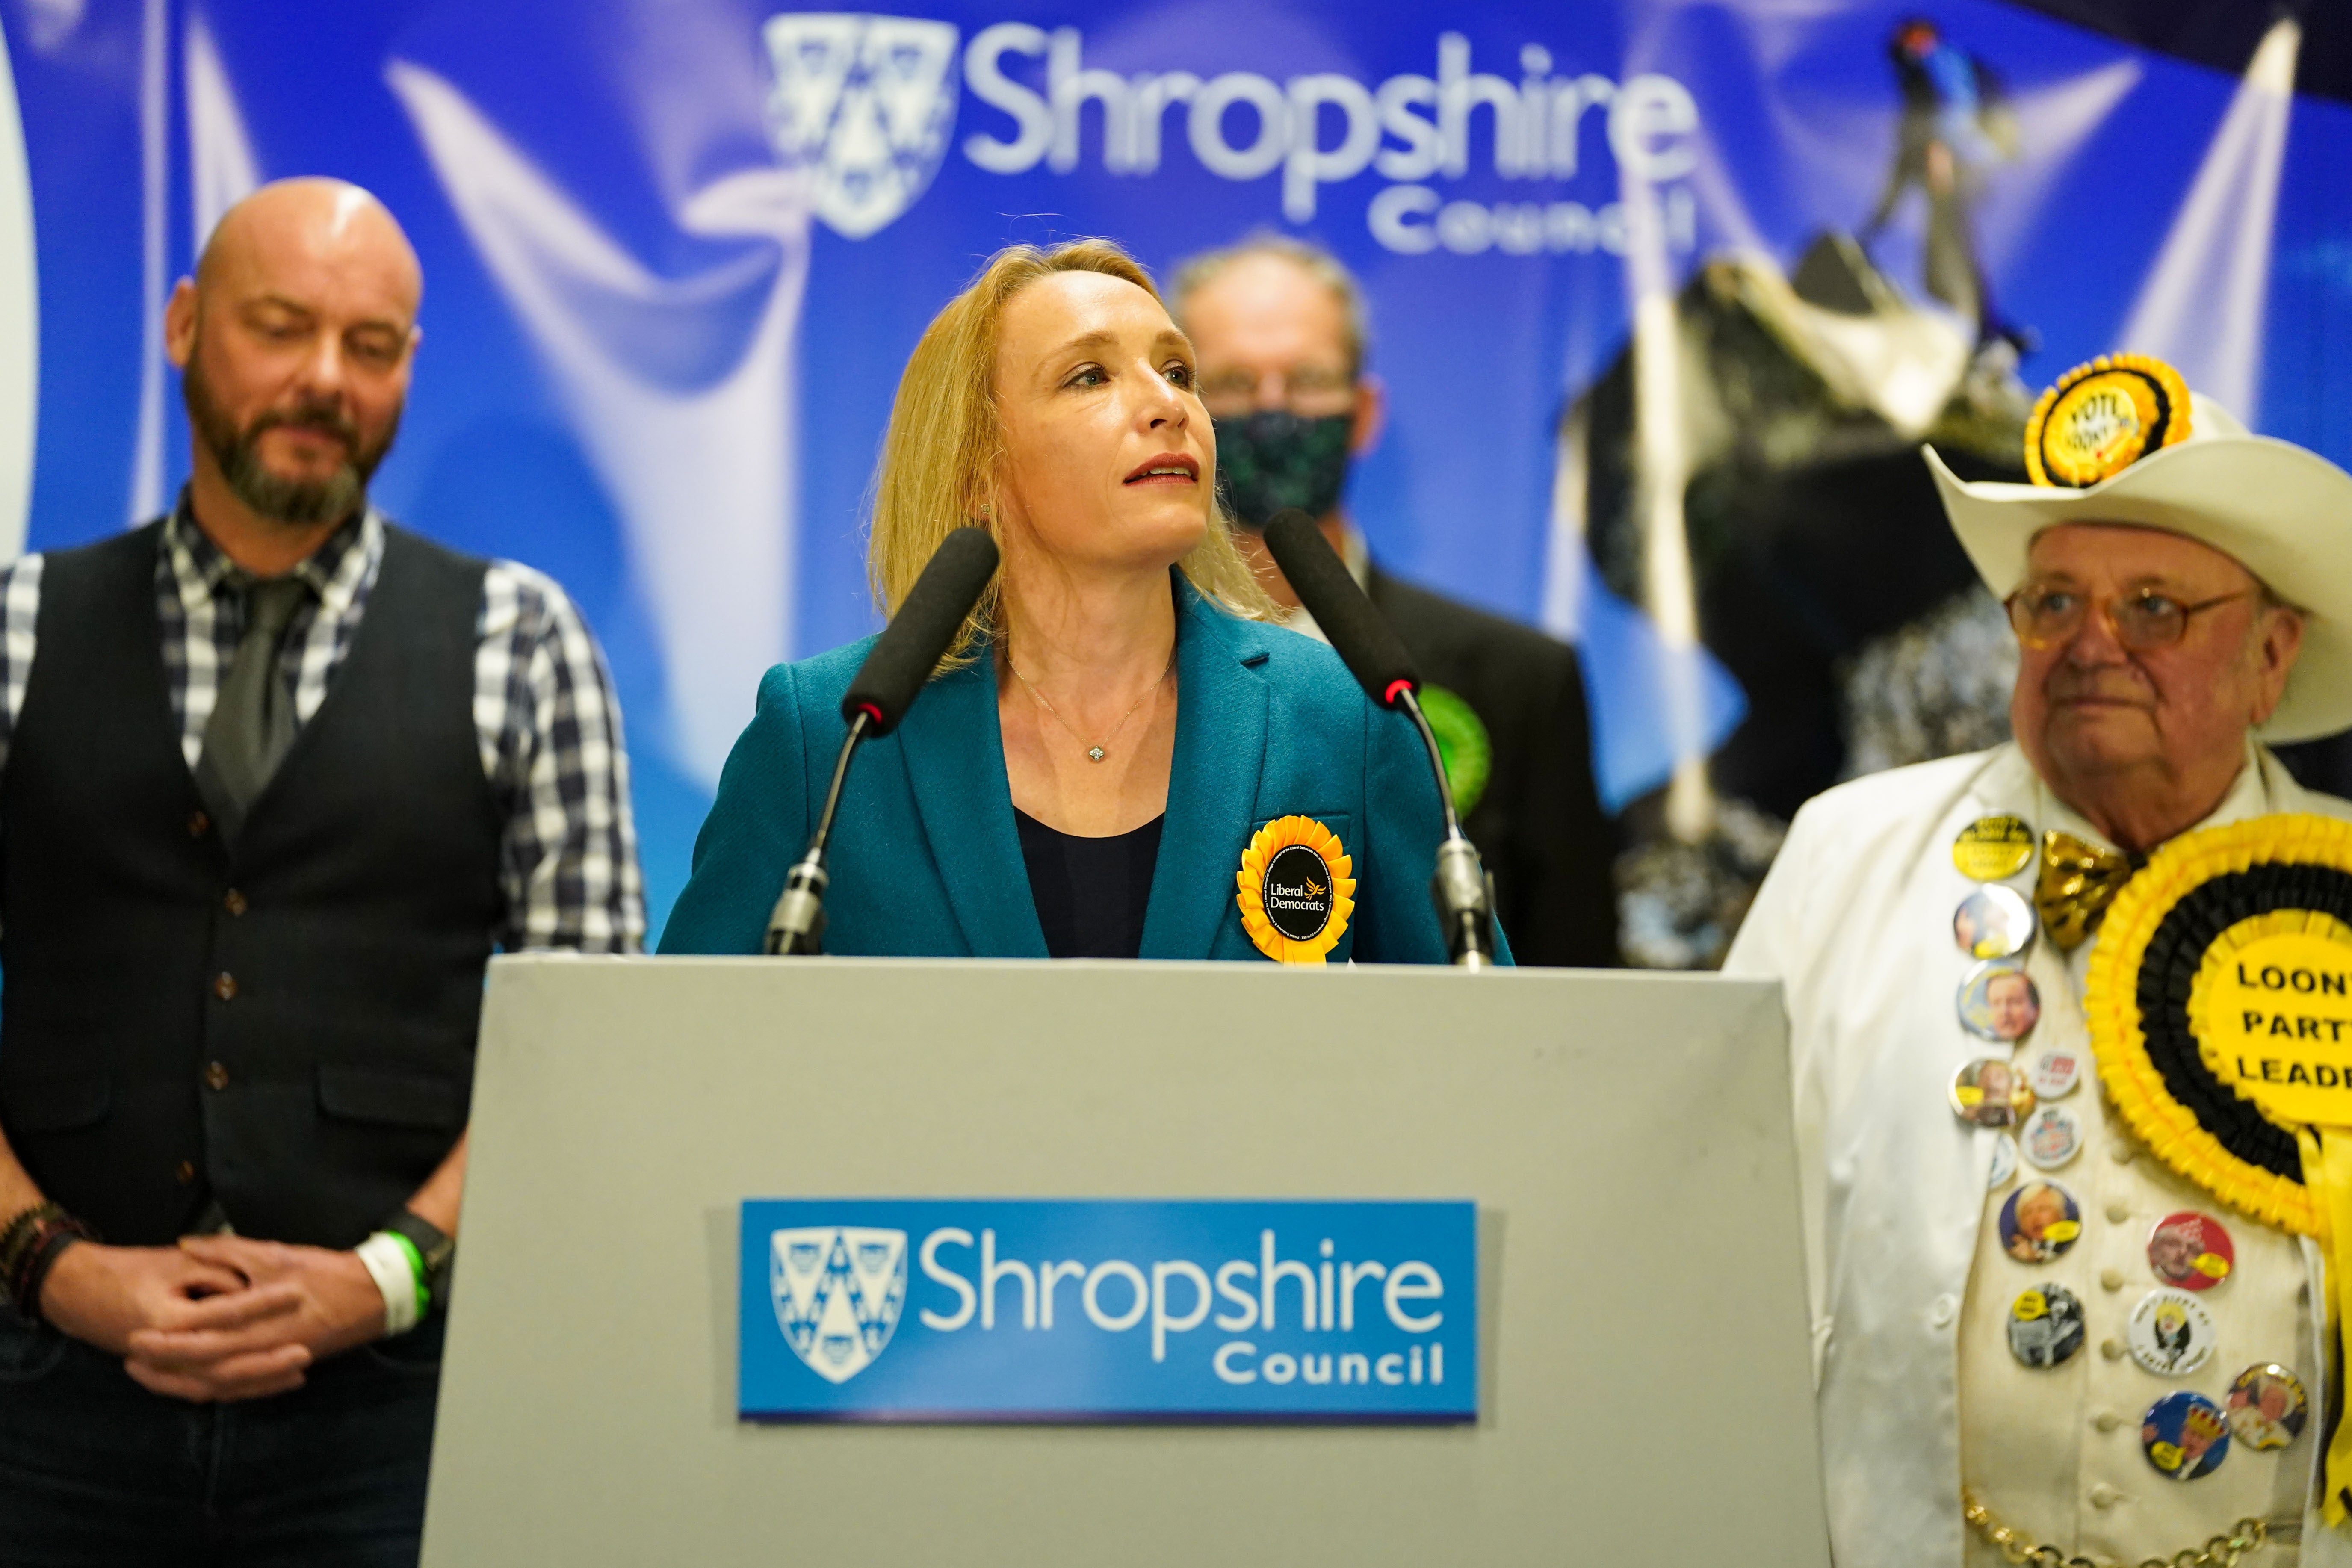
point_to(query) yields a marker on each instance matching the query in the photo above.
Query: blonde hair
(944, 451)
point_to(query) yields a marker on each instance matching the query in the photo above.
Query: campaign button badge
(1999, 1001)
(2055, 1072)
(2050, 1137)
(1993, 848)
(2040, 1222)
(1989, 1092)
(2104, 416)
(2045, 1325)
(2267, 1406)
(2191, 1250)
(2004, 1162)
(2185, 1436)
(1297, 889)
(1993, 921)
(2171, 1334)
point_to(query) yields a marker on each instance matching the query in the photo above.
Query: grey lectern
(1646, 1393)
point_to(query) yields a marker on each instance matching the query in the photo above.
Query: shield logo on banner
(838, 1292)
(866, 102)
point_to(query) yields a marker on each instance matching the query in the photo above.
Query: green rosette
(1462, 741)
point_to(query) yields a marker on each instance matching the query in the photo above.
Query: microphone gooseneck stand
(797, 926)
(1461, 890)
(886, 685)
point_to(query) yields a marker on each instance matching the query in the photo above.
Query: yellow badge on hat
(1296, 890)
(2104, 416)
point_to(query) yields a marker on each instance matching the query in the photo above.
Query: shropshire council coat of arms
(865, 102)
(838, 1292)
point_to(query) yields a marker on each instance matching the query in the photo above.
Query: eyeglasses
(1298, 389)
(2147, 620)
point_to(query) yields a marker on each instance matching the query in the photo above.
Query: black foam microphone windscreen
(911, 646)
(1358, 632)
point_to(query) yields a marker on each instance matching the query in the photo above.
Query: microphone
(885, 687)
(910, 647)
(1360, 634)
(1461, 889)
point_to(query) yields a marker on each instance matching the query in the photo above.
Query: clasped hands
(218, 1317)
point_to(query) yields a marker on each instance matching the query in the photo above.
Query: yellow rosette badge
(2104, 416)
(1296, 890)
(2219, 1000)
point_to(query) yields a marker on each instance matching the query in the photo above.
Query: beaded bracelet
(29, 1247)
(18, 1232)
(56, 1238)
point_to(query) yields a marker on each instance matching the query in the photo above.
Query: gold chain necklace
(2245, 1538)
(1094, 753)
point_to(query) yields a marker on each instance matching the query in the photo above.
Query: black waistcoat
(283, 1024)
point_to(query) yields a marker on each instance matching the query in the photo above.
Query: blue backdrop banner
(1013, 1309)
(677, 252)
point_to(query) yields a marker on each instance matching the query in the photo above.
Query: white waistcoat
(1855, 920)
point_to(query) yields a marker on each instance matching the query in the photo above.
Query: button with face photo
(2190, 1251)
(2171, 1334)
(2040, 1222)
(2045, 1325)
(2185, 1436)
(1993, 921)
(2267, 1406)
(1998, 1001)
(1991, 1092)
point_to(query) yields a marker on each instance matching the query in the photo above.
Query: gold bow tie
(2077, 882)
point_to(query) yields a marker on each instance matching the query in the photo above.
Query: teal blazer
(926, 860)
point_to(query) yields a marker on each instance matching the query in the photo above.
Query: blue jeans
(95, 1470)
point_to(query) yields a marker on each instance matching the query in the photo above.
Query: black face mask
(1273, 459)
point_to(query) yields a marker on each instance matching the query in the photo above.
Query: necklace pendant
(1094, 753)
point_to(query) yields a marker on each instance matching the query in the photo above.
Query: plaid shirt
(544, 713)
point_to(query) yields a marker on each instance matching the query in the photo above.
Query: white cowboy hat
(2281, 512)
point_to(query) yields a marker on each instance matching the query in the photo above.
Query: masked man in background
(1279, 328)
(2147, 576)
(275, 777)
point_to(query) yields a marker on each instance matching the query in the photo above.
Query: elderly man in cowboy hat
(2181, 593)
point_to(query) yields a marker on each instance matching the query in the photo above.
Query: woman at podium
(1119, 758)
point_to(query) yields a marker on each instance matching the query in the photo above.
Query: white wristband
(387, 1262)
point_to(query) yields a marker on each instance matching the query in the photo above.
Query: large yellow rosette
(1297, 889)
(2100, 418)
(2219, 1000)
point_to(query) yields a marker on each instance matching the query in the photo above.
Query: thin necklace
(1094, 753)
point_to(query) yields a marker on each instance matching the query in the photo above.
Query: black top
(1091, 892)
(285, 1024)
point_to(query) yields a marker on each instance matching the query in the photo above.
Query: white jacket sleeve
(1775, 942)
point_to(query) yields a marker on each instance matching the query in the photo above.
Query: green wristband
(415, 1272)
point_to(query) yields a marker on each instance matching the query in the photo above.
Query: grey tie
(253, 720)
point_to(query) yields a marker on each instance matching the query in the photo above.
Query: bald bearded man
(276, 776)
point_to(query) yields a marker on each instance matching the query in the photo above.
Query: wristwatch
(438, 1248)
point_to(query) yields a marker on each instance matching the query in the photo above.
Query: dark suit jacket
(1539, 826)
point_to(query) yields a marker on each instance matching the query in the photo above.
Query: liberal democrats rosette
(2219, 1000)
